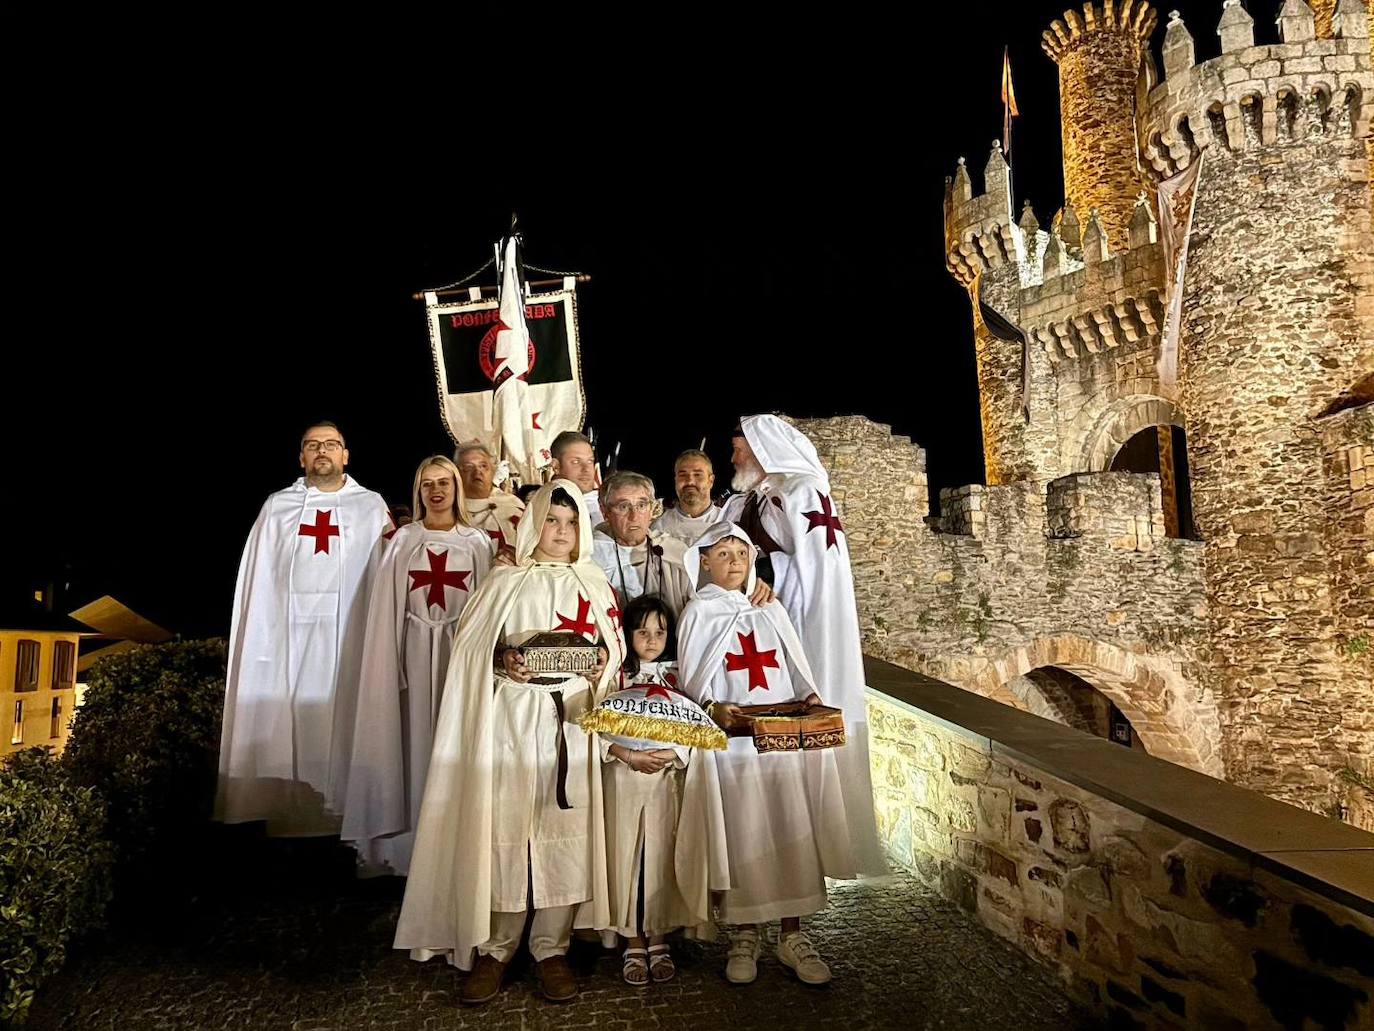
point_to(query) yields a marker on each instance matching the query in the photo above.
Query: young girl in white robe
(643, 789)
(784, 812)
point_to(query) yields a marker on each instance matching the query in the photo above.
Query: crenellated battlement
(1133, 18)
(1122, 510)
(1256, 96)
(1077, 297)
(1109, 300)
(980, 231)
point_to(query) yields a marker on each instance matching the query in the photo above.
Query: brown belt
(561, 786)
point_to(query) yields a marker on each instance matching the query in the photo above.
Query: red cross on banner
(437, 577)
(825, 517)
(753, 660)
(322, 530)
(658, 691)
(579, 624)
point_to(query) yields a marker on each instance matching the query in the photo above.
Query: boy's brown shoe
(484, 983)
(556, 979)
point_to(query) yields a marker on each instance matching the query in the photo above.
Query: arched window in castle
(1163, 450)
(1183, 129)
(1251, 113)
(1216, 118)
(1350, 111)
(1286, 112)
(1318, 110)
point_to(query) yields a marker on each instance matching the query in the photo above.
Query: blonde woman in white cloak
(427, 573)
(512, 813)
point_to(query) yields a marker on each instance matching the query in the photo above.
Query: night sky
(216, 249)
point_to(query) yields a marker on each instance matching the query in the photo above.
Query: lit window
(63, 666)
(56, 729)
(26, 667)
(17, 735)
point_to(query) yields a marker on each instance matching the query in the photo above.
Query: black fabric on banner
(462, 333)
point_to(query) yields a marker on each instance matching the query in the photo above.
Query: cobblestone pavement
(314, 954)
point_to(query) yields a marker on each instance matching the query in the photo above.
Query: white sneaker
(742, 966)
(796, 951)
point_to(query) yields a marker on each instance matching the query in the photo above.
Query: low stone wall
(1164, 898)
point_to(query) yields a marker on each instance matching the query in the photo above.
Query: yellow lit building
(38, 689)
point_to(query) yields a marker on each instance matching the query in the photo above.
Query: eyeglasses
(626, 507)
(327, 446)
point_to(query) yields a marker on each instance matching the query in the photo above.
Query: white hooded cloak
(813, 580)
(489, 822)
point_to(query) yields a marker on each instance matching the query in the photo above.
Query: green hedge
(147, 738)
(54, 872)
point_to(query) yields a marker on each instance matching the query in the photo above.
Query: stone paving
(313, 952)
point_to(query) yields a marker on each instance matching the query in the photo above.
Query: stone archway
(1174, 719)
(1119, 422)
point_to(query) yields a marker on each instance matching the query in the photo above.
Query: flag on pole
(511, 356)
(1177, 199)
(1008, 101)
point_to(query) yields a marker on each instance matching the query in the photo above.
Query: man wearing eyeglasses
(636, 560)
(295, 645)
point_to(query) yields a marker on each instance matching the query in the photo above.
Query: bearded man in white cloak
(295, 645)
(493, 511)
(790, 516)
(512, 813)
(694, 512)
(428, 571)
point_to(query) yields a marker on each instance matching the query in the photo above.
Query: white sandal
(661, 965)
(635, 969)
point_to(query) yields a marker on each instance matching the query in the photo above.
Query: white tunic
(785, 828)
(675, 523)
(295, 646)
(653, 567)
(422, 585)
(529, 830)
(497, 515)
(641, 827)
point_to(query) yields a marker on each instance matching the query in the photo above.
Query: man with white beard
(489, 509)
(694, 512)
(295, 645)
(789, 515)
(574, 459)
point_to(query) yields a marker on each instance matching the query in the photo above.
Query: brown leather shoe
(556, 979)
(484, 983)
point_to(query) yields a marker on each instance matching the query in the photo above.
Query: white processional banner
(462, 337)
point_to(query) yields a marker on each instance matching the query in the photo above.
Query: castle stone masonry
(1247, 653)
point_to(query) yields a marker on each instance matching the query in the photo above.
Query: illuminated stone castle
(1195, 562)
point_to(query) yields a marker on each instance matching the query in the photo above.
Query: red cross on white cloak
(579, 624)
(321, 530)
(825, 517)
(753, 660)
(437, 577)
(613, 614)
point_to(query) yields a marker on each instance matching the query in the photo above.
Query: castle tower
(1278, 327)
(1099, 52)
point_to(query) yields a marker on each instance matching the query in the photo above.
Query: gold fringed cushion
(647, 715)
